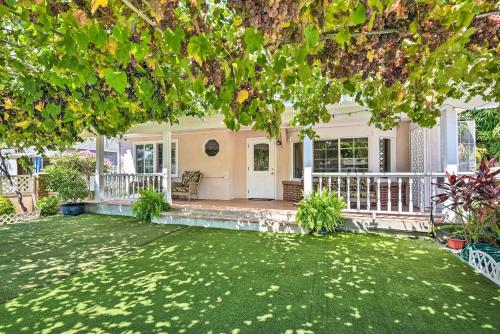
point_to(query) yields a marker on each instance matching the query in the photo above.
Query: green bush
(6, 206)
(68, 183)
(321, 211)
(48, 206)
(150, 204)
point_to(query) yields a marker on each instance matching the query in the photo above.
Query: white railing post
(422, 194)
(400, 201)
(368, 193)
(389, 190)
(308, 164)
(378, 195)
(410, 194)
(167, 165)
(348, 193)
(99, 168)
(358, 198)
(338, 187)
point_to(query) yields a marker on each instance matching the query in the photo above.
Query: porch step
(239, 213)
(244, 222)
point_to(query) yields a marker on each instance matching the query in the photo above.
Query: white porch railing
(127, 186)
(402, 193)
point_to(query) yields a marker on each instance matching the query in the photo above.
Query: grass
(37, 254)
(197, 280)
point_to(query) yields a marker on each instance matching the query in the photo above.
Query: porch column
(99, 168)
(308, 165)
(167, 165)
(449, 140)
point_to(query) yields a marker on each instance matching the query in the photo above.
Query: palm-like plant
(472, 198)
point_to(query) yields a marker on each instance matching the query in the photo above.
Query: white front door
(261, 182)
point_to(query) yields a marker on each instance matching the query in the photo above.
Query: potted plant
(70, 186)
(321, 212)
(456, 240)
(471, 201)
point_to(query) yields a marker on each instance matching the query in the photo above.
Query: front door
(261, 181)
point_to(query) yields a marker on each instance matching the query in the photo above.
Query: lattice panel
(22, 182)
(381, 155)
(8, 219)
(21, 217)
(417, 161)
(485, 264)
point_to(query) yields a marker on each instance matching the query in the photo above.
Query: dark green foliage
(68, 183)
(48, 206)
(6, 206)
(321, 210)
(487, 131)
(150, 204)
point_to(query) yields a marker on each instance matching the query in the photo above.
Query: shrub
(67, 182)
(6, 206)
(321, 211)
(473, 201)
(83, 162)
(48, 206)
(150, 204)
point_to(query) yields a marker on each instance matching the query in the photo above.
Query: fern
(150, 205)
(321, 211)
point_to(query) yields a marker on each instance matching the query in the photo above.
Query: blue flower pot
(72, 209)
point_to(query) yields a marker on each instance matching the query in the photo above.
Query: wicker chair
(188, 186)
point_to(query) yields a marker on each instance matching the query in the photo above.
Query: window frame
(338, 141)
(156, 155)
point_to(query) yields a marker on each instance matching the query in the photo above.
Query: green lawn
(197, 280)
(37, 254)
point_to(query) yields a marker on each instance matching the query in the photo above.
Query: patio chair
(188, 186)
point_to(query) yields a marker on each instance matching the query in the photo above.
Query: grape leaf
(311, 35)
(116, 79)
(358, 15)
(253, 40)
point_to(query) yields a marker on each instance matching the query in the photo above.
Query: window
(298, 160)
(344, 155)
(326, 156)
(144, 158)
(211, 148)
(173, 158)
(261, 157)
(384, 155)
(466, 146)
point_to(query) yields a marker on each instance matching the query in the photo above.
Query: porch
(263, 216)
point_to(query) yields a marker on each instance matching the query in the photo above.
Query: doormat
(261, 199)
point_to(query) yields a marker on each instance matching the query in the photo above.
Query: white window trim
(292, 160)
(155, 154)
(176, 142)
(338, 139)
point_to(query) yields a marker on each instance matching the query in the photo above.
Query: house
(248, 165)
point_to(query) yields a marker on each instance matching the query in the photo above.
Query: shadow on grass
(202, 280)
(40, 253)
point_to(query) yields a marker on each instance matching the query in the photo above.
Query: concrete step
(260, 214)
(231, 222)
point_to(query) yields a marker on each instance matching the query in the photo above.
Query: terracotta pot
(456, 244)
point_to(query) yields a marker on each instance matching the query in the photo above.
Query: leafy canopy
(104, 65)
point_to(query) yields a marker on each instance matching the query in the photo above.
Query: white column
(308, 165)
(99, 168)
(167, 164)
(449, 140)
